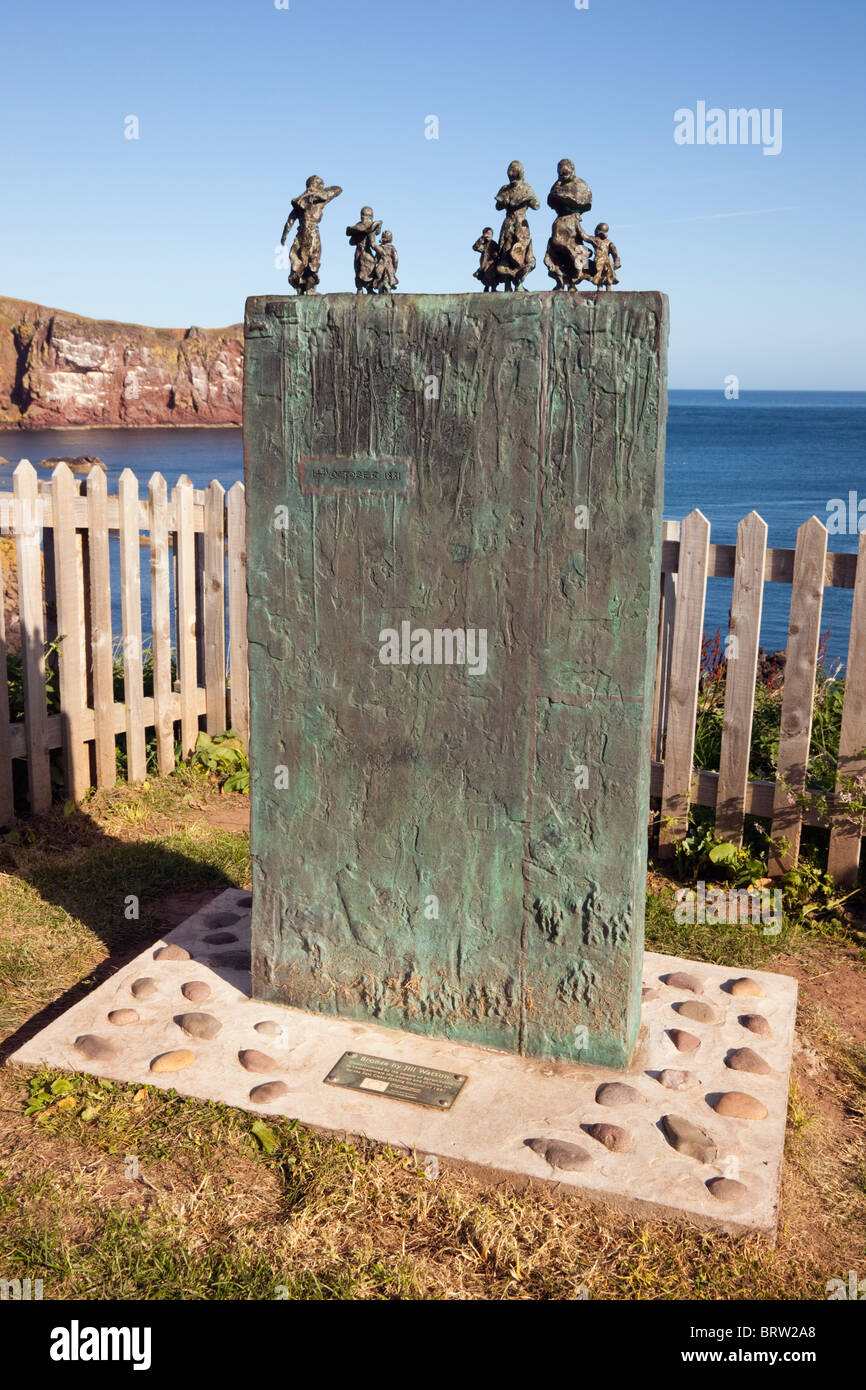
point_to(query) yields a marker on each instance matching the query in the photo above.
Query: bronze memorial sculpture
(452, 637)
(567, 255)
(515, 243)
(362, 235)
(305, 254)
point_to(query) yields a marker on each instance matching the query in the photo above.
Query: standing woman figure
(515, 259)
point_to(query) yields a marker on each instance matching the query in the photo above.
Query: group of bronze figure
(375, 261)
(572, 255)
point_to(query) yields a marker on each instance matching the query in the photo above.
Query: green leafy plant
(222, 758)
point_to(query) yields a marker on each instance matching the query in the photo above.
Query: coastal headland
(60, 370)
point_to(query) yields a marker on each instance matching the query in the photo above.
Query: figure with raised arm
(305, 253)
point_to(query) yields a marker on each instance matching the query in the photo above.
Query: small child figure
(602, 268)
(385, 274)
(489, 250)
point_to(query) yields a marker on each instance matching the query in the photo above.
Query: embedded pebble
(268, 1028)
(89, 1045)
(145, 988)
(756, 1023)
(740, 1106)
(746, 1059)
(727, 1189)
(560, 1154)
(649, 992)
(231, 960)
(618, 1140)
(698, 1011)
(745, 986)
(199, 1025)
(122, 1018)
(676, 1080)
(682, 1041)
(680, 979)
(219, 938)
(246, 900)
(171, 953)
(688, 1138)
(257, 1061)
(196, 991)
(617, 1093)
(224, 919)
(173, 1061)
(269, 1090)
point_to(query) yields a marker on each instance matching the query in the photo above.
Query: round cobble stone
(196, 991)
(618, 1093)
(178, 1060)
(559, 1153)
(145, 988)
(252, 1060)
(746, 1059)
(739, 1106)
(614, 1137)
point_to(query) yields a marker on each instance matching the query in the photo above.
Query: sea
(788, 455)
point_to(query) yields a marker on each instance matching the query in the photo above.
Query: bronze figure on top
(567, 255)
(385, 274)
(515, 259)
(362, 235)
(488, 247)
(305, 254)
(606, 262)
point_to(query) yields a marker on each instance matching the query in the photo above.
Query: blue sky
(762, 255)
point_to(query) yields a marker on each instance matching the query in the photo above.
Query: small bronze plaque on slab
(329, 477)
(400, 1080)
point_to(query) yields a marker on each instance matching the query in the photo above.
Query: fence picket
(798, 695)
(667, 614)
(68, 579)
(130, 609)
(186, 614)
(7, 800)
(844, 857)
(100, 628)
(214, 606)
(741, 668)
(27, 521)
(239, 671)
(160, 615)
(685, 680)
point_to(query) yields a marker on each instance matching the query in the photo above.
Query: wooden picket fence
(64, 589)
(688, 560)
(197, 539)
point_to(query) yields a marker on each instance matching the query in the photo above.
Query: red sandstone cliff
(59, 369)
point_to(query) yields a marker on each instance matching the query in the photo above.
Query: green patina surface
(418, 460)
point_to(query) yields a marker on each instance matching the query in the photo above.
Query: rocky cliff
(59, 369)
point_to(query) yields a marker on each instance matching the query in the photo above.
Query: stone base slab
(518, 1118)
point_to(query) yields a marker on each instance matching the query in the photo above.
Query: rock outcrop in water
(60, 370)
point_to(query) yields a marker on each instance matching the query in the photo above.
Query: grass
(116, 1191)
